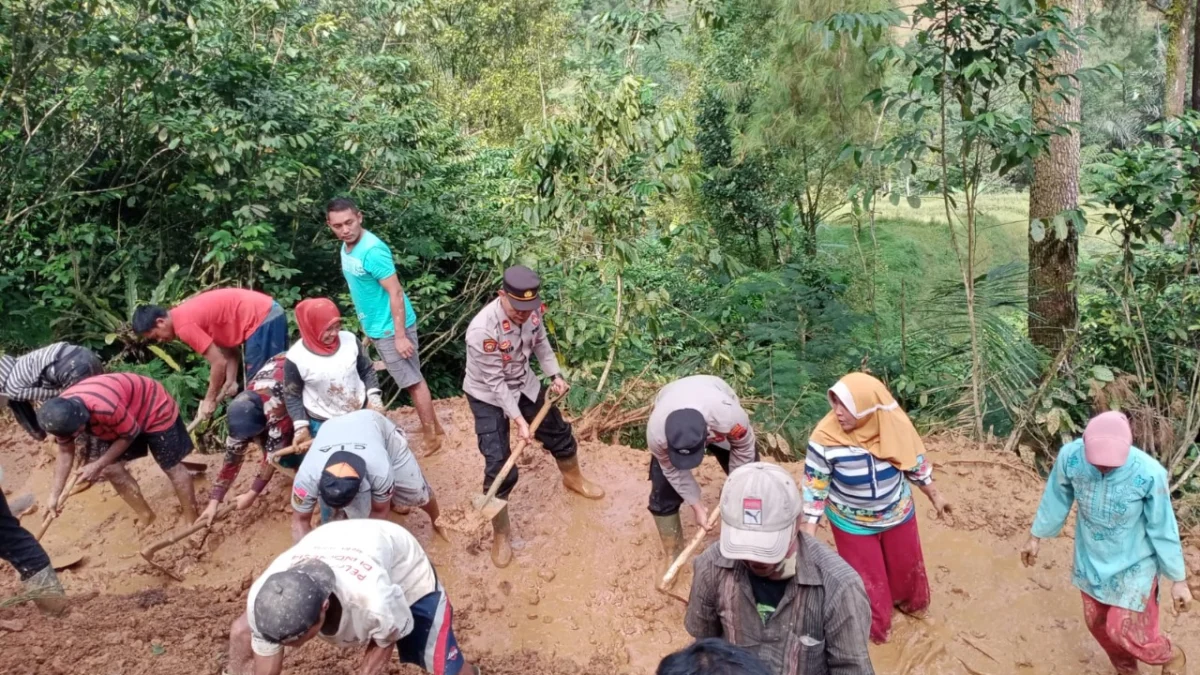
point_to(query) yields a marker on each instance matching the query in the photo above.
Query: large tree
(1054, 251)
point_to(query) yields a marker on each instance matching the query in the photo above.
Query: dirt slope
(578, 598)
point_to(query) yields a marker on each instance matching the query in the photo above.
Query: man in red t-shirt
(215, 323)
(121, 416)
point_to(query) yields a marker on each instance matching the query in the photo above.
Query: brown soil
(578, 598)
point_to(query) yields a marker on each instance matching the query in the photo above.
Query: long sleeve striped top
(860, 493)
(31, 377)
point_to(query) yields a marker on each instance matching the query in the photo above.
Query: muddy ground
(579, 596)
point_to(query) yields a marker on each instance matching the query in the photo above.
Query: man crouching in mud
(353, 583)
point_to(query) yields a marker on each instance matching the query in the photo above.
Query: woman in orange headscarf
(861, 458)
(327, 373)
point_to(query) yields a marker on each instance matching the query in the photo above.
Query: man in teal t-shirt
(379, 299)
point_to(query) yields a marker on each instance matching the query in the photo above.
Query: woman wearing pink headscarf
(1125, 537)
(327, 373)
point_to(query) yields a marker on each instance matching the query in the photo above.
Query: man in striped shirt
(41, 375)
(121, 416)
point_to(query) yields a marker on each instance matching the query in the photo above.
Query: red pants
(892, 569)
(1128, 636)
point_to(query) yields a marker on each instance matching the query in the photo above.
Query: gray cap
(289, 603)
(522, 284)
(759, 507)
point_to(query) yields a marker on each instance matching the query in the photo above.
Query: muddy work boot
(1178, 663)
(501, 544)
(46, 591)
(670, 532)
(574, 481)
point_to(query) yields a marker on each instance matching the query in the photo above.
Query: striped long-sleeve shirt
(31, 377)
(860, 493)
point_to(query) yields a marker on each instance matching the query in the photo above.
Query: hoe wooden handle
(713, 517)
(52, 514)
(512, 458)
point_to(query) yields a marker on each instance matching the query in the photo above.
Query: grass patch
(914, 246)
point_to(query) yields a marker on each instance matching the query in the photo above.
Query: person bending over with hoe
(41, 375)
(384, 310)
(781, 594)
(121, 417)
(501, 386)
(257, 415)
(359, 584)
(326, 373)
(215, 324)
(691, 415)
(361, 466)
(861, 458)
(1125, 537)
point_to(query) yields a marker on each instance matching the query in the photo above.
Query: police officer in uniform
(500, 386)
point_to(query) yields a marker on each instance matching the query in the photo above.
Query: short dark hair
(145, 317)
(712, 656)
(341, 204)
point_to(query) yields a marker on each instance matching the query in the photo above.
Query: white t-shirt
(380, 571)
(332, 386)
(365, 433)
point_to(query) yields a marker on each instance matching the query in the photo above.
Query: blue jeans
(269, 339)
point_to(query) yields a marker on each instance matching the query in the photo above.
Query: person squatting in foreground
(1125, 537)
(500, 386)
(358, 584)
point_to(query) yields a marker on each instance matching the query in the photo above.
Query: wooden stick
(293, 449)
(148, 552)
(51, 514)
(682, 558)
(512, 458)
(990, 462)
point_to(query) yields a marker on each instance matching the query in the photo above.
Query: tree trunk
(1053, 307)
(1195, 57)
(1179, 32)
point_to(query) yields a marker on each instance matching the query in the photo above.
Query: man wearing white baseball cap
(775, 591)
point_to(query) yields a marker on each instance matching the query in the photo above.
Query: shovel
(487, 505)
(664, 586)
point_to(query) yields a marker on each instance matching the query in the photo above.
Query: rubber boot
(46, 591)
(670, 532)
(501, 546)
(1178, 663)
(574, 481)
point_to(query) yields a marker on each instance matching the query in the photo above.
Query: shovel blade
(492, 508)
(62, 562)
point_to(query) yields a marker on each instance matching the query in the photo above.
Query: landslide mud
(578, 598)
